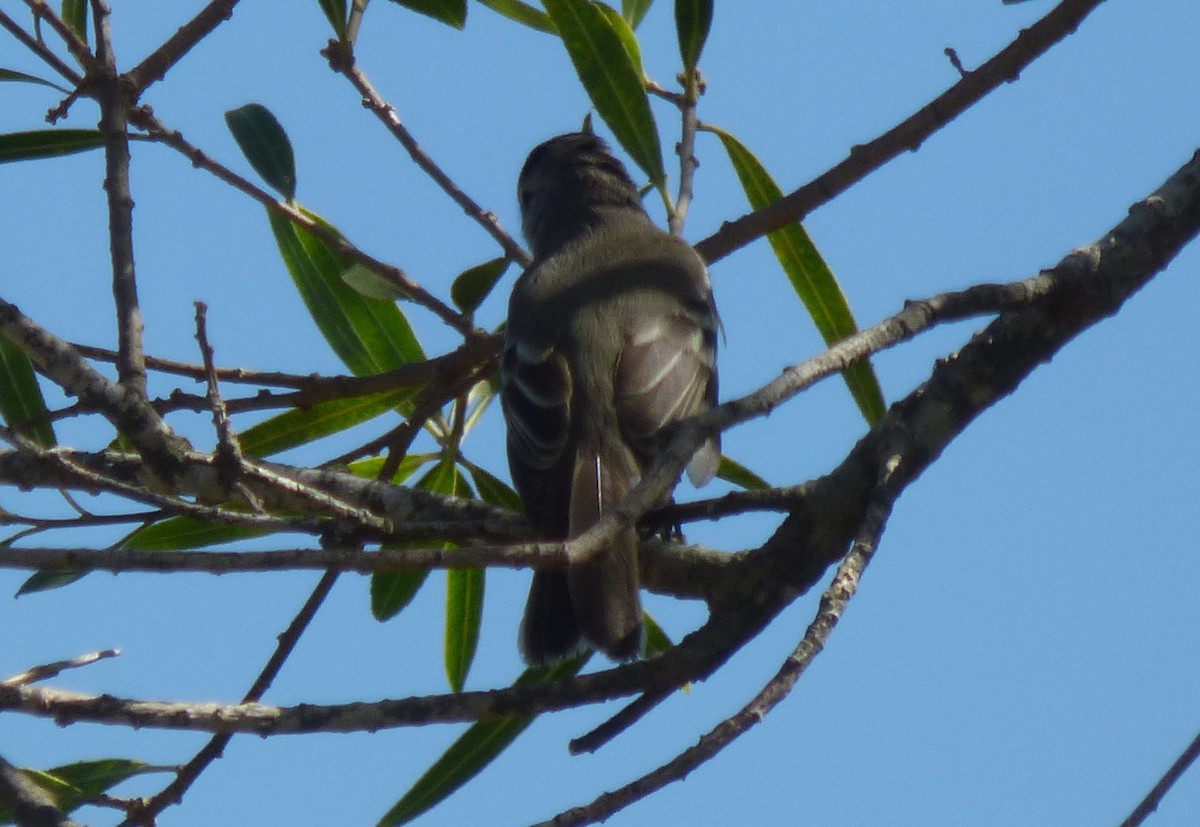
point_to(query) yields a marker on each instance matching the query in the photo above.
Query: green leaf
(492, 490)
(693, 18)
(21, 403)
(657, 641)
(47, 143)
(48, 579)
(451, 12)
(72, 785)
(464, 615)
(367, 282)
(265, 145)
(522, 13)
(369, 335)
(301, 426)
(335, 10)
(464, 587)
(740, 475)
(391, 591)
(473, 286)
(21, 77)
(635, 10)
(628, 40)
(474, 750)
(596, 42)
(810, 276)
(75, 15)
(187, 532)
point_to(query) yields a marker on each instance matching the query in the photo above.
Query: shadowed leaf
(47, 143)
(451, 12)
(266, 146)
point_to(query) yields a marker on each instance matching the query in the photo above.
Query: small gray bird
(611, 338)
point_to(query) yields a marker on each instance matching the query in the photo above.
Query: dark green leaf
(187, 532)
(464, 587)
(628, 40)
(477, 747)
(472, 286)
(47, 143)
(265, 145)
(635, 10)
(740, 475)
(492, 490)
(335, 10)
(391, 591)
(75, 784)
(596, 42)
(451, 12)
(21, 402)
(464, 614)
(522, 13)
(810, 276)
(75, 15)
(21, 77)
(692, 21)
(300, 426)
(370, 336)
(44, 581)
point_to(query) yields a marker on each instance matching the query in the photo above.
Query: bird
(611, 339)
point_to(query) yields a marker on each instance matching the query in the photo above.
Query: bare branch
(345, 64)
(864, 159)
(158, 62)
(52, 670)
(1150, 803)
(40, 49)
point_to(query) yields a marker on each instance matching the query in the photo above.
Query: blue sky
(1023, 648)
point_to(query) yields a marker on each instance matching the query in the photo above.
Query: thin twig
(53, 670)
(686, 150)
(1005, 67)
(41, 50)
(832, 605)
(147, 809)
(1150, 803)
(115, 99)
(158, 62)
(144, 119)
(372, 100)
(78, 49)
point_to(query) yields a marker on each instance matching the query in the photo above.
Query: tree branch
(908, 135)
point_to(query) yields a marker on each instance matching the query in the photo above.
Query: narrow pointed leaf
(522, 13)
(656, 641)
(628, 40)
(473, 286)
(46, 580)
(596, 42)
(464, 587)
(810, 276)
(493, 490)
(335, 10)
(740, 475)
(75, 15)
(635, 10)
(369, 335)
(693, 18)
(14, 76)
(88, 779)
(370, 284)
(266, 146)
(477, 747)
(451, 12)
(187, 532)
(392, 591)
(47, 143)
(301, 426)
(21, 403)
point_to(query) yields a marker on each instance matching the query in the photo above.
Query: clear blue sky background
(1024, 648)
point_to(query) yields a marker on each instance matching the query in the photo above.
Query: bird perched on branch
(611, 338)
